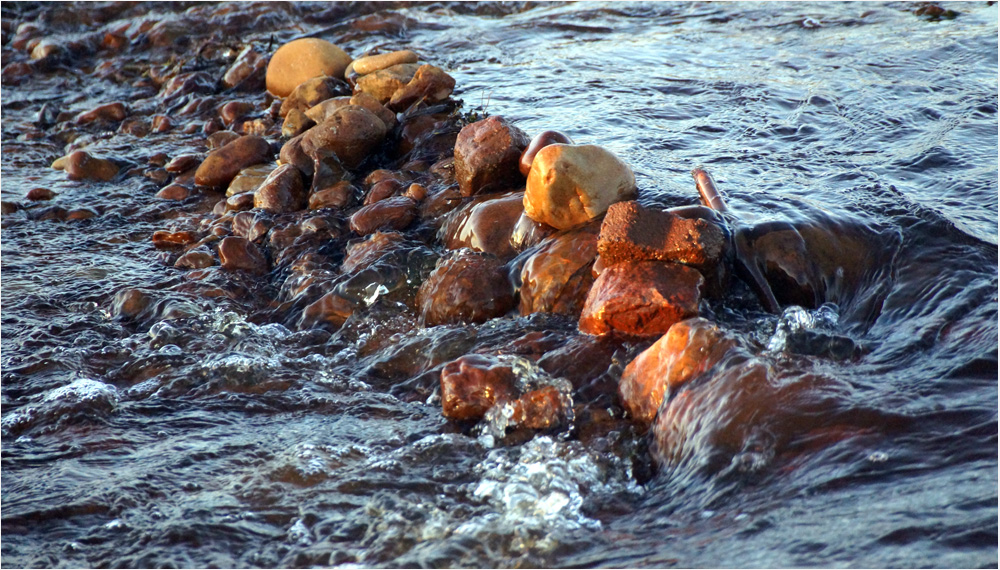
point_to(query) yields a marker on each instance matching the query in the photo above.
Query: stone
(390, 214)
(161, 123)
(364, 253)
(485, 224)
(195, 259)
(486, 156)
(371, 63)
(165, 239)
(240, 254)
(40, 194)
(572, 184)
(173, 192)
(220, 139)
(240, 202)
(383, 83)
(222, 165)
(541, 140)
(631, 232)
(416, 191)
(248, 64)
(528, 233)
(325, 109)
(183, 163)
(291, 153)
(465, 287)
(331, 308)
(301, 60)
(382, 190)
(641, 298)
(252, 225)
(234, 111)
(539, 409)
(9, 207)
(429, 85)
(296, 123)
(250, 178)
(473, 384)
(313, 91)
(80, 214)
(80, 165)
(110, 112)
(556, 275)
(339, 196)
(686, 351)
(352, 133)
(369, 102)
(282, 191)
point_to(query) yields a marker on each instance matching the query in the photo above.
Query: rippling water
(201, 433)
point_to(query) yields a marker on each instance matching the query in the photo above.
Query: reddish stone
(393, 213)
(80, 165)
(382, 190)
(220, 139)
(465, 287)
(556, 276)
(111, 112)
(539, 409)
(340, 195)
(39, 194)
(240, 202)
(173, 192)
(487, 153)
(195, 259)
(234, 111)
(330, 308)
(164, 239)
(429, 84)
(161, 123)
(485, 224)
(282, 191)
(80, 214)
(236, 253)
(248, 63)
(352, 133)
(631, 232)
(643, 298)
(252, 225)
(296, 123)
(473, 384)
(440, 202)
(416, 191)
(362, 254)
(222, 165)
(312, 92)
(688, 349)
(529, 233)
(541, 140)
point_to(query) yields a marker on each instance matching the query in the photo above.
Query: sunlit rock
(371, 63)
(313, 91)
(556, 275)
(281, 191)
(390, 214)
(81, 165)
(486, 156)
(540, 141)
(484, 224)
(631, 232)
(301, 60)
(465, 287)
(429, 85)
(382, 84)
(351, 133)
(222, 165)
(473, 384)
(240, 254)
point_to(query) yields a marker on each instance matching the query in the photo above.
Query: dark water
(204, 433)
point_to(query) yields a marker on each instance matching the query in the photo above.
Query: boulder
(556, 276)
(465, 287)
(485, 224)
(313, 91)
(641, 298)
(383, 83)
(301, 60)
(371, 63)
(282, 191)
(429, 84)
(394, 213)
(222, 165)
(240, 254)
(486, 156)
(631, 232)
(572, 184)
(352, 133)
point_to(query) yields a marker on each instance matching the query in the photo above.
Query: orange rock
(173, 192)
(222, 165)
(382, 84)
(473, 384)
(39, 194)
(541, 140)
(689, 348)
(240, 254)
(486, 156)
(485, 224)
(394, 213)
(429, 84)
(643, 298)
(556, 276)
(539, 409)
(351, 133)
(80, 165)
(465, 287)
(330, 308)
(631, 232)
(111, 112)
(340, 195)
(164, 239)
(301, 60)
(281, 191)
(312, 92)
(362, 254)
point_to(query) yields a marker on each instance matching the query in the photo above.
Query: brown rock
(441, 201)
(250, 178)
(339, 196)
(473, 384)
(80, 165)
(248, 63)
(364, 253)
(301, 60)
(173, 192)
(240, 202)
(371, 63)
(235, 110)
(352, 133)
(486, 156)
(296, 123)
(9, 207)
(642, 298)
(165, 239)
(543, 408)
(416, 191)
(313, 91)
(239, 254)
(393, 213)
(80, 214)
(161, 123)
(369, 102)
(281, 191)
(528, 233)
(252, 225)
(327, 171)
(631, 232)
(222, 165)
(556, 276)
(429, 84)
(220, 139)
(572, 184)
(183, 163)
(330, 308)
(541, 140)
(485, 224)
(383, 83)
(325, 109)
(465, 287)
(292, 153)
(382, 190)
(195, 259)
(111, 113)
(688, 349)
(39, 194)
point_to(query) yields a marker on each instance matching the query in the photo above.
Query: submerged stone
(465, 287)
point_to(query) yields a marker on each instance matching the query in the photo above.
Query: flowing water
(206, 431)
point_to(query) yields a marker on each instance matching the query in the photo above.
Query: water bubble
(878, 457)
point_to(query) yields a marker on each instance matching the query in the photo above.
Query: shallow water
(203, 433)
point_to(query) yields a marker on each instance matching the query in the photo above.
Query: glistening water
(208, 431)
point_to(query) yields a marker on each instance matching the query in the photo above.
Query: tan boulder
(572, 184)
(311, 92)
(430, 84)
(371, 63)
(301, 60)
(383, 83)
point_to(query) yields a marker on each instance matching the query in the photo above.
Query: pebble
(383, 83)
(240, 202)
(165, 239)
(352, 133)
(111, 112)
(331, 308)
(282, 191)
(222, 165)
(195, 259)
(312, 92)
(541, 140)
(429, 85)
(239, 254)
(39, 194)
(80, 165)
(369, 102)
(235, 110)
(465, 287)
(250, 178)
(173, 192)
(248, 63)
(301, 60)
(361, 254)
(473, 384)
(325, 109)
(370, 63)
(183, 163)
(393, 213)
(220, 139)
(486, 156)
(528, 233)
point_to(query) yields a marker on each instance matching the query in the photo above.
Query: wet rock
(331, 308)
(80, 214)
(183, 163)
(312, 92)
(325, 109)
(259, 127)
(352, 133)
(416, 191)
(364, 253)
(429, 85)
(40, 194)
(80, 165)
(248, 64)
(465, 287)
(528, 233)
(486, 156)
(157, 175)
(369, 102)
(441, 201)
(9, 207)
(539, 409)
(165, 239)
(111, 113)
(541, 140)
(473, 384)
(383, 83)
(572, 184)
(556, 276)
(282, 191)
(339, 196)
(371, 63)
(222, 165)
(643, 298)
(296, 123)
(300, 60)
(161, 124)
(49, 213)
(240, 202)
(252, 225)
(327, 171)
(195, 259)
(391, 214)
(250, 178)
(484, 225)
(239, 254)
(382, 190)
(631, 232)
(130, 303)
(173, 192)
(220, 139)
(234, 111)
(689, 348)
(292, 153)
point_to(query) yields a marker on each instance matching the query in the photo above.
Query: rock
(364, 253)
(688, 349)
(161, 123)
(556, 275)
(543, 408)
(220, 139)
(331, 308)
(240, 202)
(393, 213)
(465, 287)
(39, 194)
(111, 113)
(429, 84)
(327, 171)
(296, 123)
(300, 60)
(572, 184)
(222, 165)
(248, 64)
(352, 133)
(541, 140)
(369, 102)
(371, 63)
(195, 259)
(250, 178)
(528, 233)
(325, 109)
(234, 111)
(9, 207)
(239, 254)
(252, 225)
(416, 191)
(292, 153)
(485, 225)
(183, 163)
(80, 165)
(631, 232)
(486, 156)
(173, 192)
(473, 384)
(382, 190)
(339, 196)
(80, 214)
(313, 91)
(281, 191)
(383, 83)
(641, 298)
(165, 239)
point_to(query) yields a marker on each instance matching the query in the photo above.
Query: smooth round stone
(80, 165)
(352, 133)
(282, 191)
(371, 63)
(239, 254)
(556, 275)
(541, 140)
(39, 194)
(301, 60)
(222, 165)
(484, 225)
(572, 184)
(465, 287)
(173, 192)
(250, 178)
